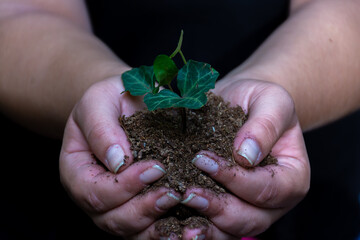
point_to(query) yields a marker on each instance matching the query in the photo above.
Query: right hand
(109, 197)
(256, 197)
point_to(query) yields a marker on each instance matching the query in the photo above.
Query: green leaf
(195, 79)
(165, 69)
(167, 99)
(164, 99)
(139, 81)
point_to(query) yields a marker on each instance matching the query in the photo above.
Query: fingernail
(196, 202)
(167, 201)
(115, 157)
(250, 150)
(205, 163)
(199, 237)
(152, 174)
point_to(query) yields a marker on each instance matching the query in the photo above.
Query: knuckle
(295, 188)
(277, 194)
(86, 199)
(270, 130)
(94, 203)
(254, 226)
(296, 191)
(122, 225)
(268, 196)
(111, 226)
(284, 105)
(98, 130)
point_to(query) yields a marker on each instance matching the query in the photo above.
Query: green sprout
(194, 79)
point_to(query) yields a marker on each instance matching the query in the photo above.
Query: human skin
(313, 56)
(49, 58)
(299, 65)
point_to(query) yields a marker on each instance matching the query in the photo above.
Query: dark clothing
(224, 34)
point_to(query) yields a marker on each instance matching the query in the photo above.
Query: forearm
(315, 56)
(48, 63)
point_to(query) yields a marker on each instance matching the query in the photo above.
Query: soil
(160, 135)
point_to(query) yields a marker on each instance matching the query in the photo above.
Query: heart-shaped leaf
(139, 81)
(195, 79)
(165, 69)
(167, 99)
(163, 99)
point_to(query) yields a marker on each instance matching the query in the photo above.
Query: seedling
(194, 79)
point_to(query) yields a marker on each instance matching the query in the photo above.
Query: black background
(34, 204)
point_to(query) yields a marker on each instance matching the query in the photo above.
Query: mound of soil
(160, 135)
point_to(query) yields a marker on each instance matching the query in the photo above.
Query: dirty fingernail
(250, 150)
(152, 174)
(199, 237)
(115, 157)
(167, 201)
(205, 163)
(196, 202)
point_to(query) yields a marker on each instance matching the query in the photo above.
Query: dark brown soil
(160, 135)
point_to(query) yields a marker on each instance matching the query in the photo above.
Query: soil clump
(159, 135)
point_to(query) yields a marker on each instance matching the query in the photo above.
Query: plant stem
(169, 85)
(178, 48)
(183, 57)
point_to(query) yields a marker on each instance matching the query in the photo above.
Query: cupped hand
(96, 165)
(258, 196)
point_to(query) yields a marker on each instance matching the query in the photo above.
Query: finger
(137, 214)
(211, 232)
(98, 190)
(195, 233)
(271, 112)
(230, 214)
(281, 185)
(97, 116)
(152, 234)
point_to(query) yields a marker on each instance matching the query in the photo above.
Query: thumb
(97, 115)
(271, 112)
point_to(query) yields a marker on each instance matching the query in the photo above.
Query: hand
(109, 197)
(261, 195)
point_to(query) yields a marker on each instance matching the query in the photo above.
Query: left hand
(107, 186)
(257, 196)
